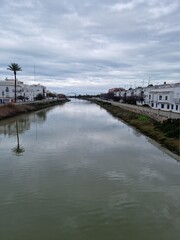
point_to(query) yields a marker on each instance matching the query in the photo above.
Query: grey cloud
(81, 43)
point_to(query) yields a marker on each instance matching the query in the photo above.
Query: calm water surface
(75, 172)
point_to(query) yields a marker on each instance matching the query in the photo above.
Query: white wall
(25, 90)
(165, 97)
(7, 90)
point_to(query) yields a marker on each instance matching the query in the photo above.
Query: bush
(39, 97)
(170, 127)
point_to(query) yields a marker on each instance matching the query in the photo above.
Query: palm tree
(14, 67)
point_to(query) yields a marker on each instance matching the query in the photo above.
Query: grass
(143, 118)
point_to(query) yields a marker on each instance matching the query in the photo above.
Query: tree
(39, 96)
(14, 67)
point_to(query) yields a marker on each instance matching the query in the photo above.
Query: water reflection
(17, 126)
(18, 150)
(84, 175)
(22, 123)
(9, 127)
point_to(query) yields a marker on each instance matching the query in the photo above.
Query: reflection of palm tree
(18, 149)
(41, 115)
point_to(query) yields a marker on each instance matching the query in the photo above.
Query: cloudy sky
(89, 46)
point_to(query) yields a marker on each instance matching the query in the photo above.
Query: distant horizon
(93, 92)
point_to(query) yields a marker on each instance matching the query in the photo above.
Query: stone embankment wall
(156, 114)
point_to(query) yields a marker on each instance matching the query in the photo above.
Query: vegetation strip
(11, 110)
(166, 133)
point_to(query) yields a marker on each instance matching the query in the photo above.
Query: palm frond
(14, 67)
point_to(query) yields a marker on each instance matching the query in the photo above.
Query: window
(156, 105)
(7, 89)
(152, 104)
(160, 97)
(167, 106)
(166, 97)
(176, 107)
(172, 106)
(149, 96)
(162, 105)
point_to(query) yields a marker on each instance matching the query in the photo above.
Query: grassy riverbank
(165, 133)
(11, 110)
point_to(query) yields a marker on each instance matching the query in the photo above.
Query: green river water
(75, 172)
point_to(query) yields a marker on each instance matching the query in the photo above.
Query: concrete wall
(156, 114)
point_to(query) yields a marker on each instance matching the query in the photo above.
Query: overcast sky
(89, 46)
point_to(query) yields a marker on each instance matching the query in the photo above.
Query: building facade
(165, 97)
(23, 91)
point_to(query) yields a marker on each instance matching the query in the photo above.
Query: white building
(7, 90)
(38, 89)
(165, 97)
(28, 92)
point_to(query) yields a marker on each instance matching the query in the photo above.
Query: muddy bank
(166, 133)
(11, 110)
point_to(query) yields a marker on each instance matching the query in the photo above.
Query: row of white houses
(165, 96)
(23, 91)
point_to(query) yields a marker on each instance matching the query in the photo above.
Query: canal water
(74, 172)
